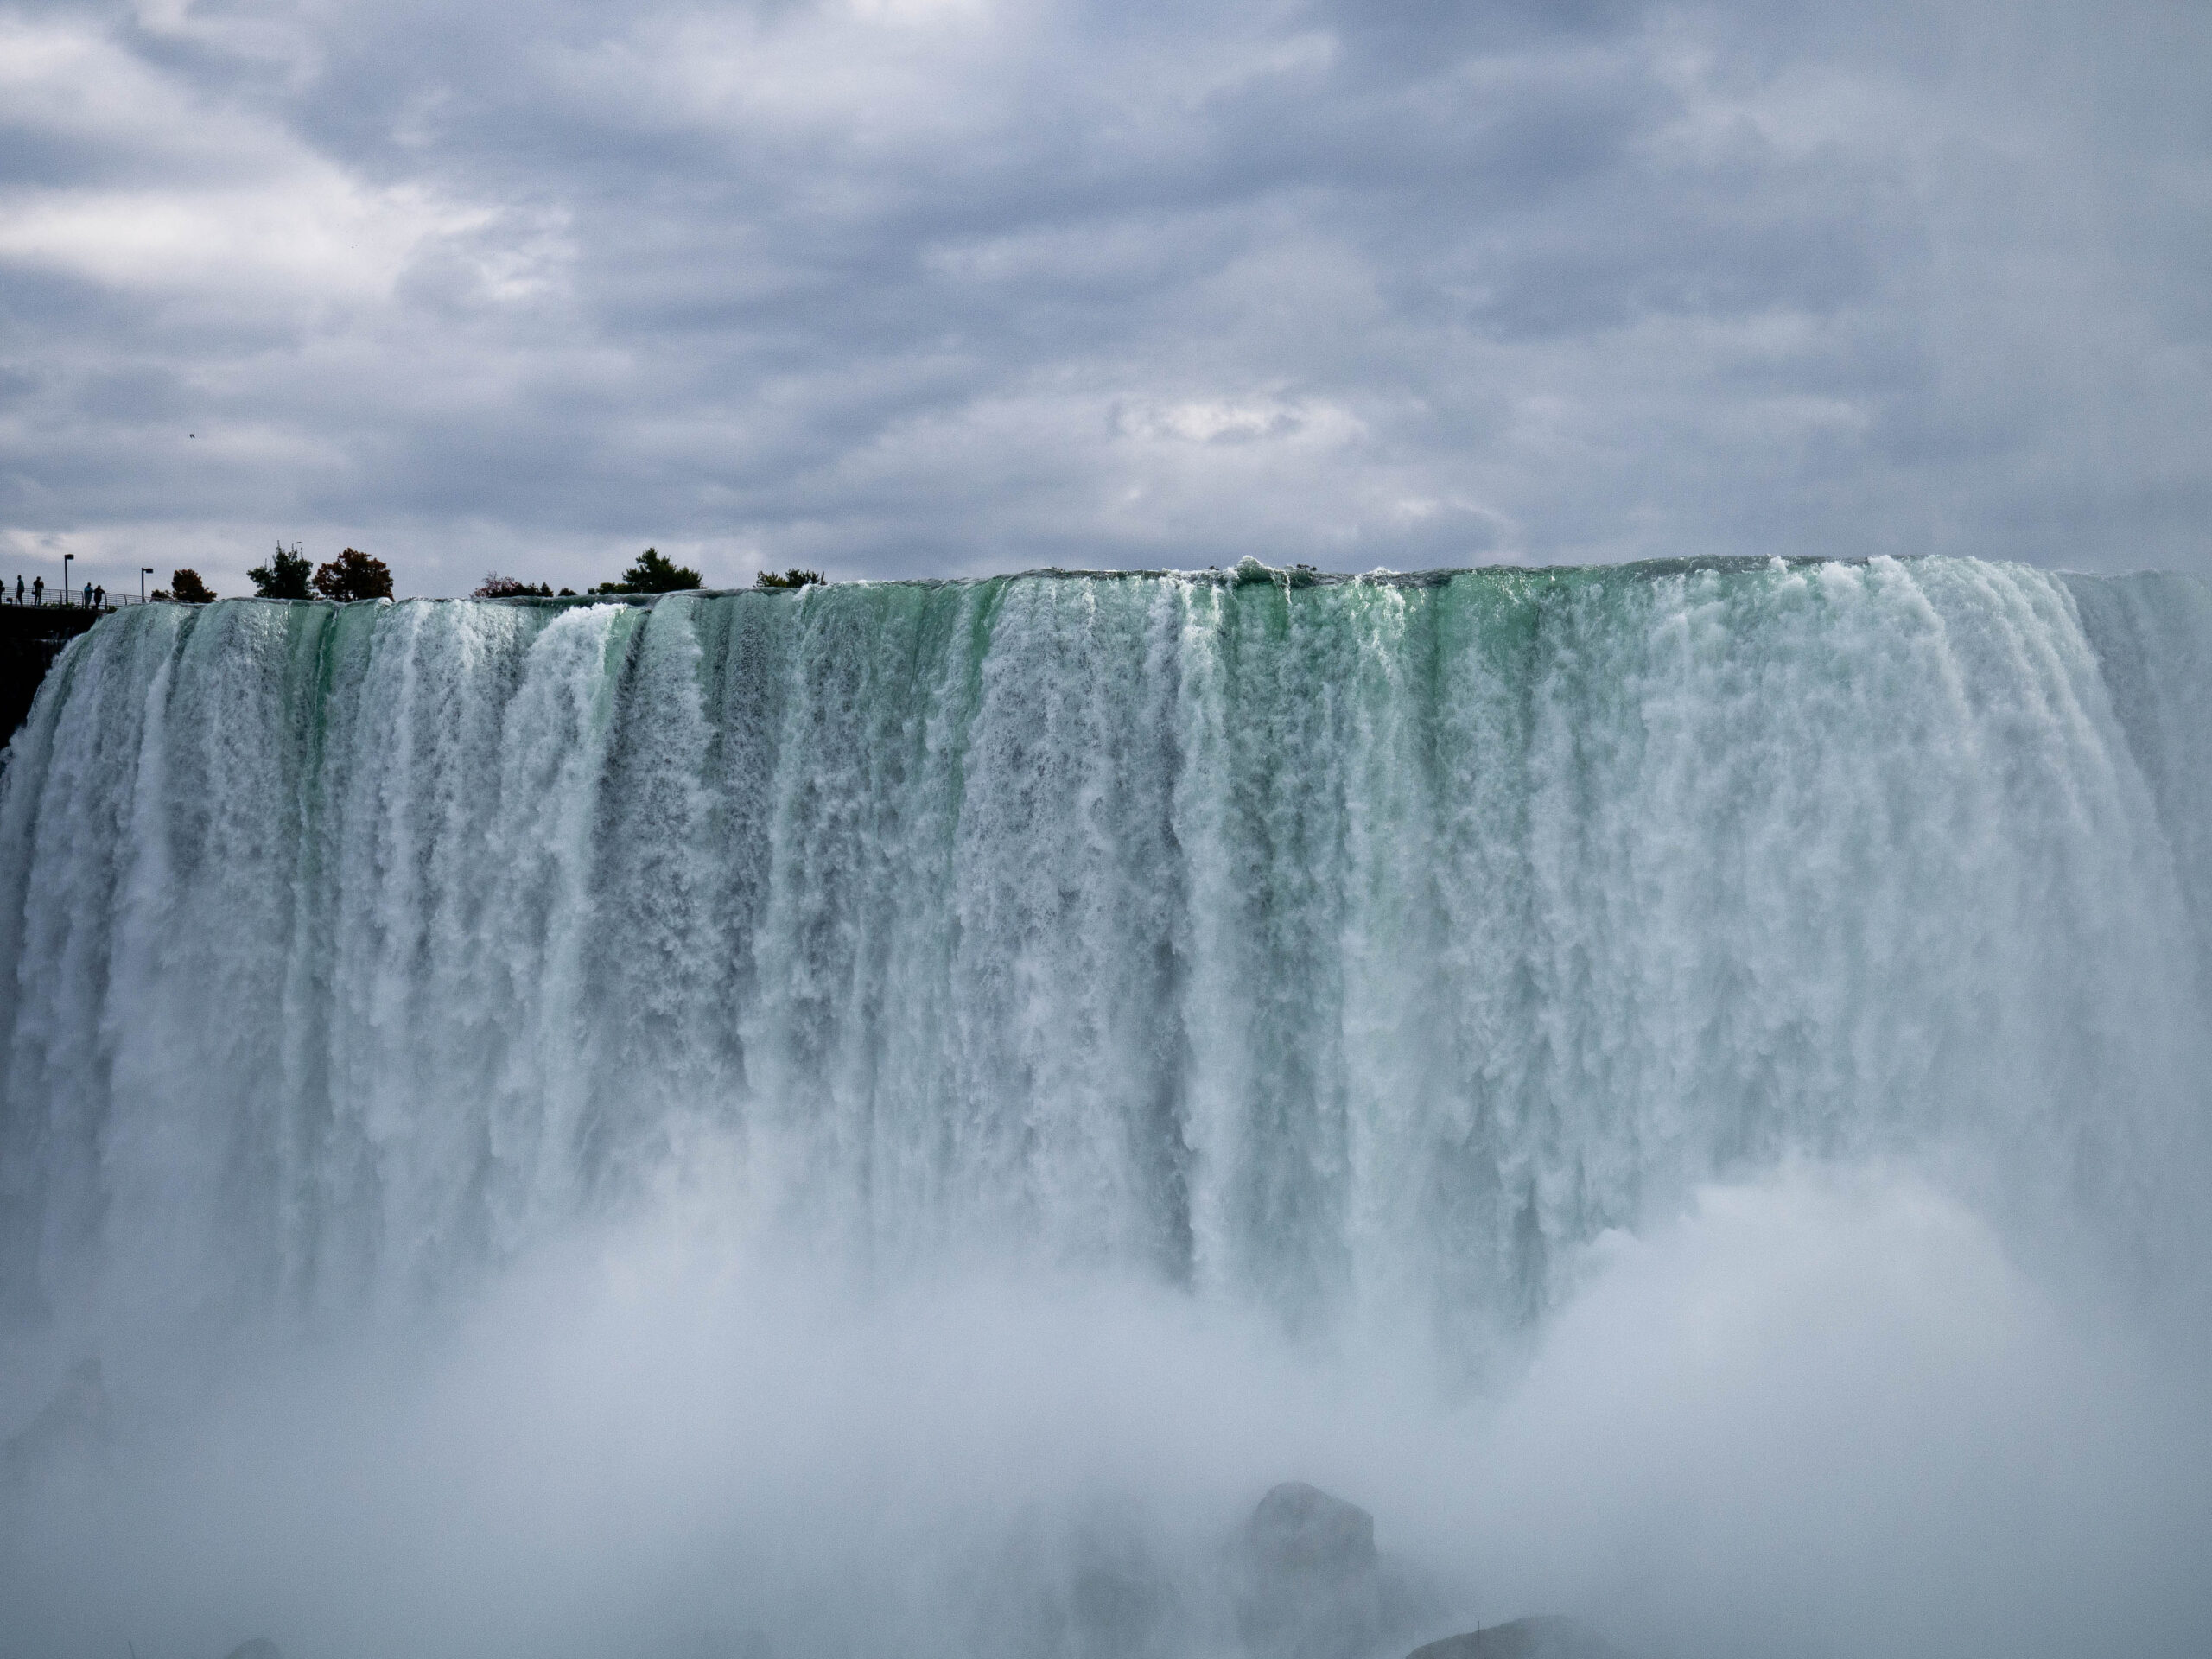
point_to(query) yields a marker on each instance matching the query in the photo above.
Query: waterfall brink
(1323, 943)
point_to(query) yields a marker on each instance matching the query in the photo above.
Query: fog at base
(1824, 1414)
(884, 1118)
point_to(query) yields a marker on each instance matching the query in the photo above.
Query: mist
(1824, 1413)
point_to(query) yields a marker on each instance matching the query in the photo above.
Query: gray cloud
(904, 287)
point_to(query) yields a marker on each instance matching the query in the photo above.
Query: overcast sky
(945, 287)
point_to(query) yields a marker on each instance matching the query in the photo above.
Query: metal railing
(72, 595)
(32, 600)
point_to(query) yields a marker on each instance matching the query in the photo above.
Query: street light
(66, 590)
(144, 571)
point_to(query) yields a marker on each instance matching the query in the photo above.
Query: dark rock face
(31, 637)
(1310, 1585)
(1548, 1637)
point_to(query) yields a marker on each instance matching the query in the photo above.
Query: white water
(1298, 978)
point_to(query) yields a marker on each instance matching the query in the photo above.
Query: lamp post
(66, 591)
(144, 571)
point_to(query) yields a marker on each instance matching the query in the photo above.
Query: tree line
(290, 575)
(354, 574)
(651, 572)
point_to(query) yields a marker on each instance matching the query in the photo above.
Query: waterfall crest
(1368, 942)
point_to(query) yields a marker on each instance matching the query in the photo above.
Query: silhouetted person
(38, 591)
(88, 595)
(99, 597)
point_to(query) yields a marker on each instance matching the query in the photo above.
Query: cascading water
(1351, 952)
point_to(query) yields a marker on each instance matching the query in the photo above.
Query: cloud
(909, 287)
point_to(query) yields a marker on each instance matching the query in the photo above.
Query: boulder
(1300, 1530)
(1545, 1637)
(1309, 1583)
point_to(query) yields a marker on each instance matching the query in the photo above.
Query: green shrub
(651, 574)
(495, 585)
(284, 576)
(186, 588)
(353, 575)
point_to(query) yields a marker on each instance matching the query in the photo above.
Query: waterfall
(882, 1118)
(1319, 942)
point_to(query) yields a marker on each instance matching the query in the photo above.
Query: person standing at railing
(99, 597)
(38, 591)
